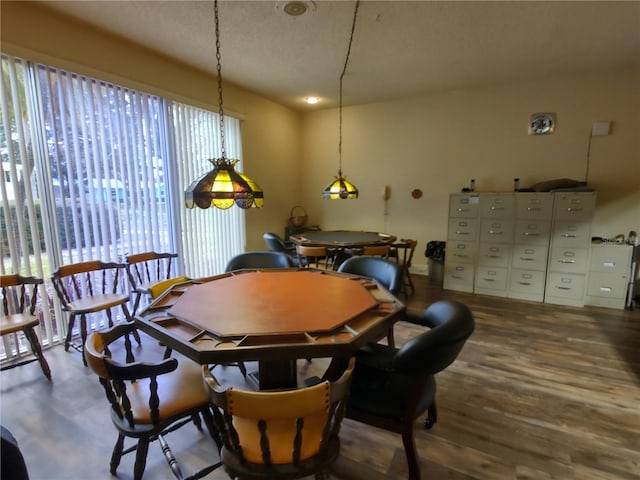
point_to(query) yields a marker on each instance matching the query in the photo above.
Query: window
(93, 170)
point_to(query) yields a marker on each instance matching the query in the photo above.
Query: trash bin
(435, 254)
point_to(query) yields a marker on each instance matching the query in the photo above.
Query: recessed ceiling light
(312, 100)
(295, 8)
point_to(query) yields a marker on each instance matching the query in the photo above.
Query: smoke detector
(295, 8)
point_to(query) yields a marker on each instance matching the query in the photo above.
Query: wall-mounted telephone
(386, 192)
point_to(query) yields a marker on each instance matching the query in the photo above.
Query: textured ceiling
(400, 48)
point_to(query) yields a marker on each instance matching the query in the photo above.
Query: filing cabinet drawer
(532, 232)
(497, 206)
(464, 206)
(494, 254)
(490, 278)
(496, 230)
(529, 257)
(571, 234)
(527, 284)
(461, 252)
(463, 229)
(607, 285)
(574, 206)
(565, 289)
(458, 276)
(534, 206)
(570, 260)
(611, 258)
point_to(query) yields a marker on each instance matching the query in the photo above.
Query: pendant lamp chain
(340, 188)
(344, 69)
(219, 70)
(223, 186)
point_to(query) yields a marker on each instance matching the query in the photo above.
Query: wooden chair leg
(171, 459)
(410, 451)
(141, 458)
(410, 282)
(83, 335)
(72, 322)
(391, 341)
(116, 456)
(432, 416)
(32, 338)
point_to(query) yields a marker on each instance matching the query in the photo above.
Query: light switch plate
(600, 128)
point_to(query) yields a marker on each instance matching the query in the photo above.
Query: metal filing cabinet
(531, 246)
(569, 252)
(608, 279)
(461, 249)
(495, 244)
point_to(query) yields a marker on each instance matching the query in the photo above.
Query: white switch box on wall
(600, 128)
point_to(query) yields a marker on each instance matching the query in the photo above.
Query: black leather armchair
(275, 243)
(259, 260)
(388, 273)
(392, 387)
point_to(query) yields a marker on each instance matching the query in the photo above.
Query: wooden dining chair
(149, 398)
(19, 298)
(283, 434)
(314, 257)
(403, 254)
(146, 269)
(91, 287)
(381, 251)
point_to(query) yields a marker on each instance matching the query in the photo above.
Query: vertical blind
(97, 171)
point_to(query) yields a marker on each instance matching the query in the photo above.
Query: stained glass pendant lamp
(340, 188)
(223, 186)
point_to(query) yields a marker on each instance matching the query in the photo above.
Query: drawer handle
(457, 277)
(494, 256)
(527, 259)
(567, 261)
(489, 279)
(606, 289)
(574, 209)
(569, 235)
(458, 232)
(494, 232)
(497, 208)
(530, 234)
(463, 210)
(562, 288)
(524, 283)
(533, 209)
(460, 255)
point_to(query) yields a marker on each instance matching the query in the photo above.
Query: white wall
(438, 142)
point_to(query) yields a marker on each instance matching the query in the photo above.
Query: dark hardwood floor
(539, 392)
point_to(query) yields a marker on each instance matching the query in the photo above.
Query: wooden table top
(271, 314)
(342, 238)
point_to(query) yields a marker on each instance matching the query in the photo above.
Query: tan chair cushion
(180, 390)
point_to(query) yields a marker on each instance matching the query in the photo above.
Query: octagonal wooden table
(340, 241)
(273, 317)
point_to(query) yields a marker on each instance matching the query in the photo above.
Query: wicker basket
(298, 216)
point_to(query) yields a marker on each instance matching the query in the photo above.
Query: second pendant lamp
(340, 188)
